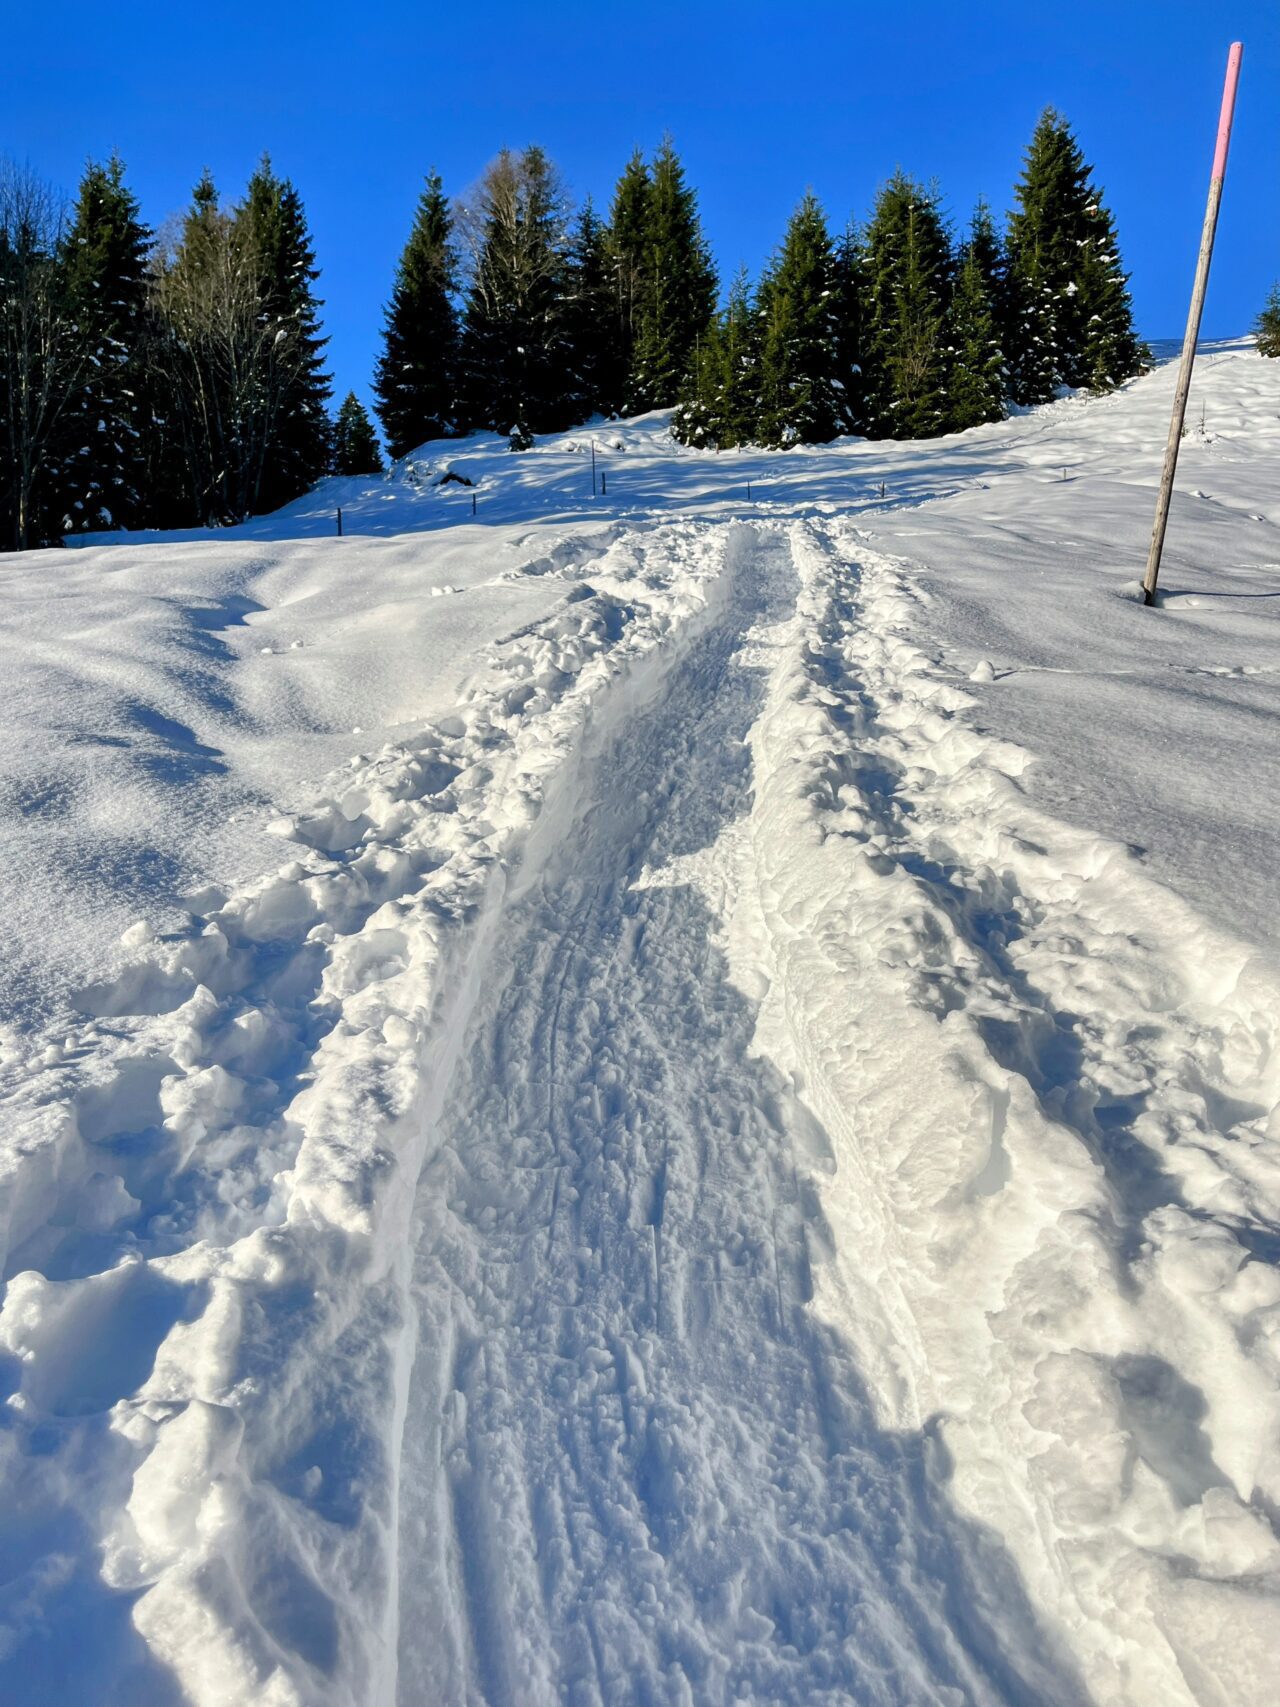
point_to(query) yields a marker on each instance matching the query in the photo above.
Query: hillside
(664, 1094)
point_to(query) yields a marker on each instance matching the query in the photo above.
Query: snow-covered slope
(735, 1159)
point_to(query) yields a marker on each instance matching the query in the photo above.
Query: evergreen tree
(852, 362)
(1110, 350)
(1069, 319)
(44, 360)
(355, 444)
(908, 281)
(514, 334)
(987, 246)
(677, 288)
(272, 230)
(720, 407)
(698, 417)
(416, 380)
(628, 227)
(799, 394)
(975, 392)
(1046, 230)
(1266, 328)
(987, 250)
(590, 320)
(105, 255)
(740, 392)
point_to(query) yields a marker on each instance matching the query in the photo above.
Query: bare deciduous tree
(228, 358)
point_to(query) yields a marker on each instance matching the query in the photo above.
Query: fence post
(339, 521)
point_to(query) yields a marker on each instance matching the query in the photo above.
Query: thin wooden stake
(593, 468)
(473, 503)
(1193, 323)
(339, 521)
(604, 484)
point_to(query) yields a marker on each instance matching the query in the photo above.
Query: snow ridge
(215, 1175)
(1049, 1103)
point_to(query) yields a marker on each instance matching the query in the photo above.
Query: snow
(655, 1097)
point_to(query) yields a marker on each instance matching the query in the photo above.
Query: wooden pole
(1193, 324)
(593, 468)
(339, 521)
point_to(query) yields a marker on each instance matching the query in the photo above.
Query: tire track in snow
(659, 1478)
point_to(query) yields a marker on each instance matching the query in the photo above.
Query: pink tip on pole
(1228, 109)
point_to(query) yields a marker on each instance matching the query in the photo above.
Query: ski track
(828, 1275)
(636, 1468)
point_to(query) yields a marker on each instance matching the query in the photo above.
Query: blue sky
(355, 102)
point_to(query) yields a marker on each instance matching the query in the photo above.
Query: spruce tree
(720, 406)
(976, 384)
(44, 360)
(908, 279)
(628, 228)
(1110, 349)
(987, 247)
(698, 418)
(355, 444)
(416, 380)
(1266, 328)
(591, 345)
(852, 362)
(271, 229)
(1069, 320)
(740, 343)
(677, 288)
(799, 395)
(514, 333)
(1046, 229)
(103, 480)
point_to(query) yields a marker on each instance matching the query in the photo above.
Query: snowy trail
(206, 1195)
(636, 1467)
(1049, 1088)
(710, 1166)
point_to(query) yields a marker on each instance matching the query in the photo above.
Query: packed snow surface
(653, 1096)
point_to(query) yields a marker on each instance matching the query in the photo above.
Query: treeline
(894, 330)
(508, 315)
(178, 378)
(152, 381)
